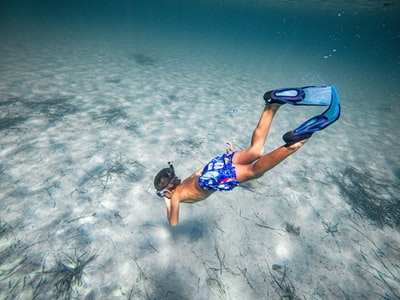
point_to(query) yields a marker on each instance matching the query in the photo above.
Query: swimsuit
(219, 174)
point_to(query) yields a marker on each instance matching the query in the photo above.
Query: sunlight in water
(283, 251)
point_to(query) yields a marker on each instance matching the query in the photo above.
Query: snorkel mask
(169, 174)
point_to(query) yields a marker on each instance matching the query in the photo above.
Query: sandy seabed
(83, 131)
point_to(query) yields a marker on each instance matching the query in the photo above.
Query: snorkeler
(225, 172)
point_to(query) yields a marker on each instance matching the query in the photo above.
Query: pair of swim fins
(309, 95)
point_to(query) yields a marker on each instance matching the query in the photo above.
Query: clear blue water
(355, 42)
(96, 96)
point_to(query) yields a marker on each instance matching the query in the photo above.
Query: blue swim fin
(318, 122)
(309, 95)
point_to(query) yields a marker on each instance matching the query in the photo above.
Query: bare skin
(250, 163)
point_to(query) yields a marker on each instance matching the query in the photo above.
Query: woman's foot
(274, 106)
(296, 146)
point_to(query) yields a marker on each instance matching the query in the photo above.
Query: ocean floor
(85, 126)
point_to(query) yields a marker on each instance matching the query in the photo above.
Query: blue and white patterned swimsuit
(219, 174)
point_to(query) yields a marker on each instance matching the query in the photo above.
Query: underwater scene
(97, 96)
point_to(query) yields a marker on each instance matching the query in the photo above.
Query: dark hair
(163, 177)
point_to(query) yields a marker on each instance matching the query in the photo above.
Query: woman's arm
(168, 206)
(172, 210)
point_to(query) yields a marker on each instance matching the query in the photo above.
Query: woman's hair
(163, 177)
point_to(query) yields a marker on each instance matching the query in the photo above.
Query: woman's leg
(256, 149)
(266, 162)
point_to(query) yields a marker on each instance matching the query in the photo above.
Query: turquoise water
(96, 97)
